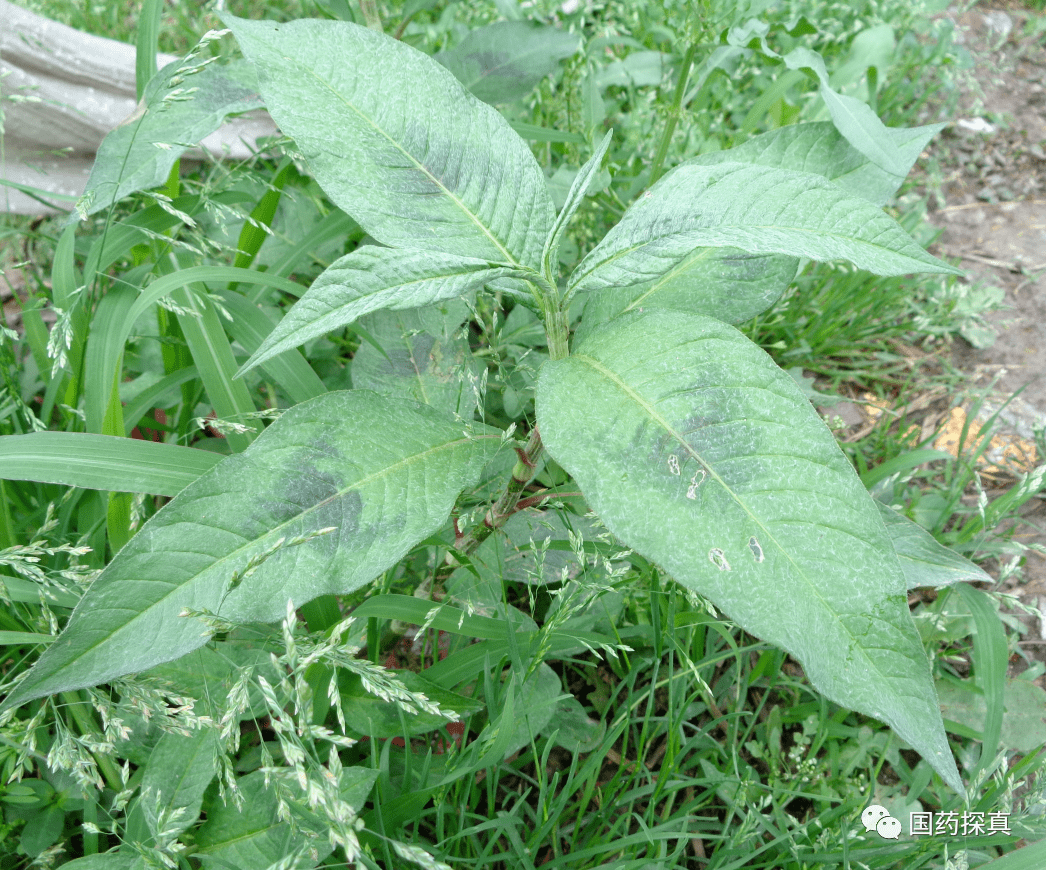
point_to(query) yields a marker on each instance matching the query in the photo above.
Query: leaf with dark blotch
(381, 474)
(398, 143)
(424, 356)
(699, 453)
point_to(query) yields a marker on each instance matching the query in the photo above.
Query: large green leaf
(253, 835)
(732, 285)
(373, 279)
(725, 283)
(382, 473)
(102, 462)
(697, 451)
(505, 60)
(758, 209)
(181, 105)
(397, 142)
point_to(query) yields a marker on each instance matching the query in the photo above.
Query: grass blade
(102, 462)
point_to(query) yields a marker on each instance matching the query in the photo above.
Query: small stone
(975, 125)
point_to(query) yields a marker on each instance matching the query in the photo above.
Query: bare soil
(992, 212)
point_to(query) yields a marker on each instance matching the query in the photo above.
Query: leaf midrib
(653, 414)
(509, 258)
(817, 234)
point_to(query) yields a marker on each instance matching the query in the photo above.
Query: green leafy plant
(686, 439)
(691, 447)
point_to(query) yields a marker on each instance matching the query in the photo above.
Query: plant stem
(505, 506)
(557, 329)
(673, 114)
(370, 15)
(557, 333)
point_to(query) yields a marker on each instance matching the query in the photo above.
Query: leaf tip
(247, 366)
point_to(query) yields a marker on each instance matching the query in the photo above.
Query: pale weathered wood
(61, 92)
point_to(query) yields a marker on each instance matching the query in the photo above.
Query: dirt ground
(993, 219)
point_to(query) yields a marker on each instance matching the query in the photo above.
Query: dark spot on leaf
(310, 500)
(756, 549)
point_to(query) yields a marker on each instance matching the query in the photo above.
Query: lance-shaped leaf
(734, 286)
(182, 104)
(371, 279)
(821, 149)
(575, 195)
(759, 209)
(698, 452)
(397, 142)
(505, 60)
(854, 119)
(329, 496)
